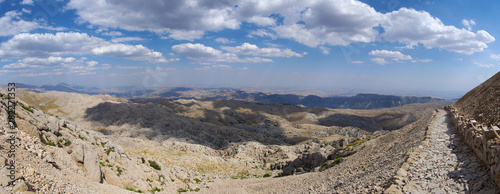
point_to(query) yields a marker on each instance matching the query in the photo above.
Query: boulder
(21, 186)
(112, 178)
(91, 163)
(83, 153)
(77, 148)
(53, 124)
(27, 127)
(64, 160)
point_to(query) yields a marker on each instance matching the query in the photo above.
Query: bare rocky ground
(209, 147)
(369, 170)
(446, 165)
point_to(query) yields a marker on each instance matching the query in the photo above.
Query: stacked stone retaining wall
(480, 138)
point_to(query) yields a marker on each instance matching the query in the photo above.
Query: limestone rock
(91, 162)
(64, 160)
(53, 124)
(21, 186)
(77, 148)
(112, 178)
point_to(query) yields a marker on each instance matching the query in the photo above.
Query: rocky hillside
(54, 155)
(483, 102)
(78, 143)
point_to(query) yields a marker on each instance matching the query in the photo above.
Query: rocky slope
(112, 145)
(483, 102)
(54, 155)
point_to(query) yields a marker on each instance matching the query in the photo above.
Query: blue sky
(440, 48)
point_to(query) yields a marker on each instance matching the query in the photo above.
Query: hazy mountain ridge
(359, 101)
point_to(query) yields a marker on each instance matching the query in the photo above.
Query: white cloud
(126, 39)
(137, 52)
(262, 33)
(26, 10)
(468, 23)
(186, 34)
(250, 49)
(223, 40)
(325, 50)
(223, 67)
(421, 60)
(261, 21)
(73, 43)
(40, 74)
(35, 62)
(40, 45)
(330, 22)
(201, 52)
(483, 65)
(112, 33)
(11, 24)
(358, 62)
(431, 32)
(380, 61)
(395, 55)
(312, 23)
(106, 66)
(35, 67)
(183, 19)
(27, 2)
(496, 57)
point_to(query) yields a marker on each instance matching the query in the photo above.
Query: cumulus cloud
(380, 61)
(112, 33)
(395, 55)
(313, 23)
(250, 49)
(40, 45)
(204, 53)
(126, 39)
(35, 62)
(177, 17)
(325, 50)
(468, 23)
(35, 66)
(431, 32)
(132, 52)
(223, 40)
(73, 43)
(27, 2)
(262, 33)
(12, 24)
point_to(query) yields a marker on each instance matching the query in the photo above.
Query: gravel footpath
(446, 164)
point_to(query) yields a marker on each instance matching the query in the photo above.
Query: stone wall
(480, 138)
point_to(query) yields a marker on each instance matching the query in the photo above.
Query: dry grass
(188, 161)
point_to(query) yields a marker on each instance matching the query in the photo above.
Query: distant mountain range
(360, 101)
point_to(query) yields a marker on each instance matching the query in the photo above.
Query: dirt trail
(446, 164)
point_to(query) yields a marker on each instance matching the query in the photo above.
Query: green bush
(154, 165)
(50, 143)
(119, 170)
(26, 108)
(132, 189)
